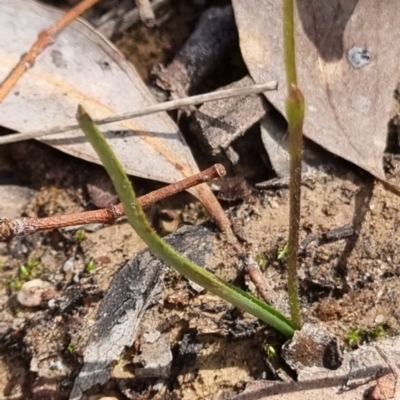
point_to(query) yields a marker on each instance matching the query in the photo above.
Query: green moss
(356, 337)
(353, 338)
(26, 272)
(376, 333)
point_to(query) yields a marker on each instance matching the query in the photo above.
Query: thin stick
(156, 108)
(109, 26)
(146, 13)
(259, 280)
(44, 40)
(27, 226)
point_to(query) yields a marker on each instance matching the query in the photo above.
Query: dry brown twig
(44, 40)
(27, 226)
(258, 279)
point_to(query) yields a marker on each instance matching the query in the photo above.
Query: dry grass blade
(26, 226)
(44, 40)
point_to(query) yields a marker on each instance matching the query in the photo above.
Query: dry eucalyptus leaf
(348, 57)
(82, 67)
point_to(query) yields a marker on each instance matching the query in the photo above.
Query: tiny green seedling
(358, 336)
(261, 260)
(90, 266)
(271, 352)
(15, 284)
(353, 338)
(282, 253)
(16, 311)
(377, 333)
(71, 349)
(25, 273)
(80, 235)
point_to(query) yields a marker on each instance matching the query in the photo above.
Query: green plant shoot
(161, 249)
(90, 266)
(295, 117)
(282, 253)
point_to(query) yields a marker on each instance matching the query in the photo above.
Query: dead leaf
(348, 56)
(82, 67)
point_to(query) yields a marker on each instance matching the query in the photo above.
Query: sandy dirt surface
(346, 283)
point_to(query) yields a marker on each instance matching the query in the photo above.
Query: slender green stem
(160, 248)
(288, 43)
(295, 118)
(294, 113)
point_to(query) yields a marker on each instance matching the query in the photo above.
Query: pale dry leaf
(348, 57)
(82, 67)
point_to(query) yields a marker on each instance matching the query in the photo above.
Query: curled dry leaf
(82, 67)
(348, 56)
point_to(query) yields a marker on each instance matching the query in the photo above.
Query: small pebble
(68, 265)
(274, 204)
(33, 292)
(52, 303)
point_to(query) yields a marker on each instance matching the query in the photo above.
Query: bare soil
(347, 284)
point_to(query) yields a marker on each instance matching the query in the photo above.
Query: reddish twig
(44, 40)
(27, 226)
